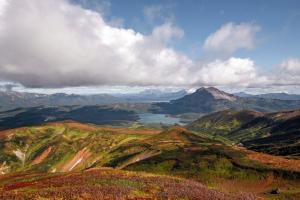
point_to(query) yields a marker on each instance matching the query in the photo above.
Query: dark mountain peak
(203, 100)
(200, 89)
(212, 89)
(216, 93)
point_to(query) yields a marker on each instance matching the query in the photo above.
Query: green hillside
(276, 133)
(104, 183)
(70, 146)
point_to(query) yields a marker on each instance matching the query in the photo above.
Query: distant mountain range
(280, 96)
(11, 99)
(203, 100)
(106, 109)
(207, 100)
(87, 114)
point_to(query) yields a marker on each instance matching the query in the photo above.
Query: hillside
(223, 122)
(104, 183)
(276, 133)
(208, 100)
(280, 96)
(71, 146)
(86, 114)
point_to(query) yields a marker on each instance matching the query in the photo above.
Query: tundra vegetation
(74, 160)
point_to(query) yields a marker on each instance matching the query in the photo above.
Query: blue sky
(279, 22)
(94, 45)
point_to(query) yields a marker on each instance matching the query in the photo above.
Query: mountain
(275, 133)
(242, 94)
(207, 100)
(88, 114)
(280, 96)
(11, 99)
(152, 95)
(203, 100)
(66, 155)
(223, 122)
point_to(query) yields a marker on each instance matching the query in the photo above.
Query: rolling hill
(275, 133)
(64, 148)
(88, 114)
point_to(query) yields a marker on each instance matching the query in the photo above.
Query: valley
(149, 100)
(210, 143)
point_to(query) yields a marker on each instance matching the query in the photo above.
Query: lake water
(150, 118)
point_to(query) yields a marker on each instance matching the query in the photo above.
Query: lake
(150, 118)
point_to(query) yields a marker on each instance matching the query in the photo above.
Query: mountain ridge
(12, 99)
(279, 96)
(208, 100)
(274, 133)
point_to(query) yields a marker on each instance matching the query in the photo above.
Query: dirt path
(42, 156)
(76, 160)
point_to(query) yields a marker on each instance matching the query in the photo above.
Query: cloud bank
(54, 44)
(231, 37)
(289, 72)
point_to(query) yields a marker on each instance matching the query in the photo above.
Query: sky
(108, 46)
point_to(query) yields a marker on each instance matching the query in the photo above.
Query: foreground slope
(104, 183)
(61, 147)
(276, 133)
(69, 146)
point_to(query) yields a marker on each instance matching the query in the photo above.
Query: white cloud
(291, 66)
(153, 12)
(57, 44)
(231, 37)
(166, 32)
(234, 71)
(288, 72)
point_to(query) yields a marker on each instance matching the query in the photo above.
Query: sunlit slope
(73, 147)
(59, 147)
(69, 146)
(223, 122)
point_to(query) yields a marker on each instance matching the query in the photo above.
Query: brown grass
(277, 162)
